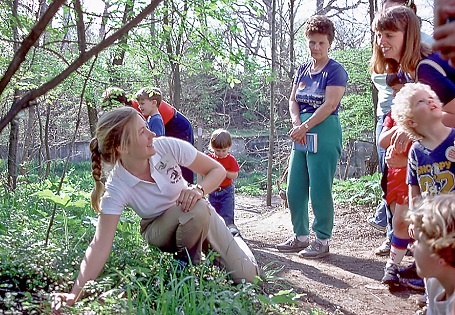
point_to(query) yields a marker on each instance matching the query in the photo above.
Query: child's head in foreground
(221, 142)
(414, 106)
(433, 222)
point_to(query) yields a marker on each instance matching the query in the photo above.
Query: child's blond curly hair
(401, 109)
(434, 223)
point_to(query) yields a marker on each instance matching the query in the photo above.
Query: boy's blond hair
(220, 139)
(401, 109)
(434, 223)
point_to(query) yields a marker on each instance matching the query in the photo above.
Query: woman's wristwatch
(199, 186)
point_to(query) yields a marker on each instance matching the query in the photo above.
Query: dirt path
(345, 282)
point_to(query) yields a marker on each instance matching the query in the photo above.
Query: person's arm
(414, 192)
(448, 118)
(232, 175)
(385, 138)
(400, 139)
(213, 174)
(333, 95)
(294, 108)
(394, 159)
(95, 257)
(442, 85)
(444, 33)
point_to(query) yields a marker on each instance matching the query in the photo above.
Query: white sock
(302, 238)
(396, 255)
(323, 242)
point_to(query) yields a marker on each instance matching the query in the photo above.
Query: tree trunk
(12, 154)
(291, 37)
(174, 49)
(27, 151)
(102, 31)
(272, 106)
(14, 131)
(119, 57)
(46, 140)
(92, 117)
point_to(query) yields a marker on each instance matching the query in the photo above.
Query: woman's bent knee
(198, 216)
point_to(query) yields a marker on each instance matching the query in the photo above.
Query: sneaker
(391, 275)
(315, 250)
(234, 230)
(416, 284)
(422, 311)
(371, 222)
(292, 245)
(384, 249)
(409, 272)
(422, 300)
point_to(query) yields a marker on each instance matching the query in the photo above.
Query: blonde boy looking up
(149, 99)
(431, 159)
(433, 222)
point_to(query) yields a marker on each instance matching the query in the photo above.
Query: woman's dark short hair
(320, 24)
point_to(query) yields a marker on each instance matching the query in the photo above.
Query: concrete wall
(257, 146)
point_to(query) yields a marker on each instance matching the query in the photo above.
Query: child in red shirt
(222, 199)
(397, 144)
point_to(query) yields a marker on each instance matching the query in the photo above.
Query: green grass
(137, 278)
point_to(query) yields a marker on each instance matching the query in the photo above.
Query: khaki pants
(177, 231)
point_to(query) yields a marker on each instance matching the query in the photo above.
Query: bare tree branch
(24, 102)
(28, 42)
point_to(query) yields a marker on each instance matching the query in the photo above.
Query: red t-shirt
(397, 189)
(230, 164)
(166, 110)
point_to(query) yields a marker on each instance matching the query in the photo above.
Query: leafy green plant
(365, 190)
(137, 278)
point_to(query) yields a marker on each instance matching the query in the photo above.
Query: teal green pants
(310, 177)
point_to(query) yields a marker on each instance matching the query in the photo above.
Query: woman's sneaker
(391, 275)
(315, 250)
(292, 245)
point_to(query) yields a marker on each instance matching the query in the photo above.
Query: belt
(221, 188)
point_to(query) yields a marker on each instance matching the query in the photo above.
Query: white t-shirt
(385, 93)
(435, 293)
(150, 200)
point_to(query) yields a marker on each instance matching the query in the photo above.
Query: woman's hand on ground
(60, 300)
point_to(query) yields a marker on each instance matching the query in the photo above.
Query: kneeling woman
(146, 177)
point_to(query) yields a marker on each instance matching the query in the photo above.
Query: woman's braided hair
(113, 131)
(434, 224)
